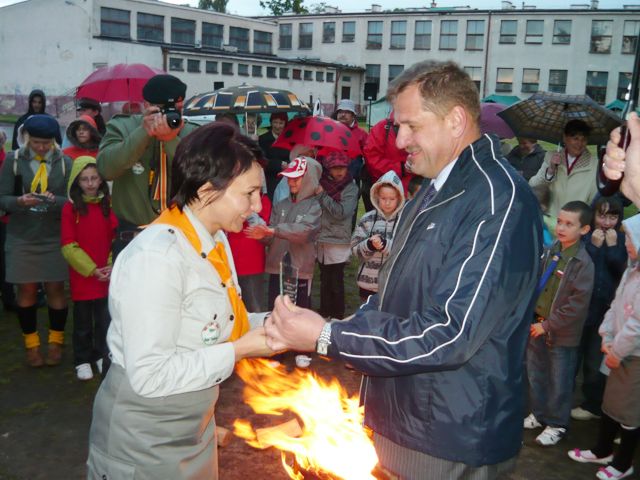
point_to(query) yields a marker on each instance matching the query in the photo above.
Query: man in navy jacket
(442, 344)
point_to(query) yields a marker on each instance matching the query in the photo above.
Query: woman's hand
(28, 200)
(258, 232)
(597, 237)
(611, 237)
(252, 344)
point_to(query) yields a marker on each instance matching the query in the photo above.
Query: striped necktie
(431, 192)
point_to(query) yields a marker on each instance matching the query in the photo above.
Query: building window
(422, 38)
(115, 23)
(212, 34)
(227, 68)
(398, 35)
(394, 71)
(346, 78)
(558, 81)
(504, 81)
(150, 27)
(239, 37)
(475, 73)
(284, 73)
(601, 32)
(183, 32)
(193, 66)
(448, 34)
(211, 67)
(624, 79)
(374, 35)
(508, 31)
(286, 34)
(305, 35)
(348, 32)
(243, 69)
(319, 76)
(328, 32)
(372, 73)
(271, 72)
(296, 74)
(262, 42)
(597, 85)
(330, 76)
(535, 31)
(475, 35)
(256, 70)
(562, 32)
(308, 75)
(176, 64)
(630, 36)
(530, 80)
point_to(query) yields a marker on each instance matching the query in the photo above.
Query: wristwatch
(324, 340)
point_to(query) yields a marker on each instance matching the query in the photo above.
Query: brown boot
(34, 357)
(54, 355)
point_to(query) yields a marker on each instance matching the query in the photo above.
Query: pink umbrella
(118, 83)
(490, 122)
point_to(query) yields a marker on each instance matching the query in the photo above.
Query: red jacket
(75, 152)
(382, 155)
(248, 254)
(94, 233)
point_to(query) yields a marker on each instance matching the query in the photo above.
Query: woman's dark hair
(577, 127)
(216, 153)
(227, 116)
(75, 194)
(610, 206)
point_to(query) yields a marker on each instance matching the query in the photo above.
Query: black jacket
(443, 344)
(275, 156)
(21, 120)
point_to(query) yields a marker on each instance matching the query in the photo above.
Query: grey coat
(335, 224)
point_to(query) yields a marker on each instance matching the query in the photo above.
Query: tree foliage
(215, 5)
(280, 7)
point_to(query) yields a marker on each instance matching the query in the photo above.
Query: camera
(173, 114)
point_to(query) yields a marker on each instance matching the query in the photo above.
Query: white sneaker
(99, 366)
(610, 473)
(580, 413)
(551, 436)
(531, 422)
(84, 372)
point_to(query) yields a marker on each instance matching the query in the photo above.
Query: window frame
(530, 87)
(390, 77)
(471, 71)
(178, 64)
(372, 37)
(227, 68)
(504, 38)
(256, 71)
(556, 35)
(211, 66)
(502, 86)
(179, 29)
(475, 36)
(282, 37)
(193, 65)
(117, 24)
(262, 42)
(621, 92)
(348, 37)
(305, 39)
(212, 35)
(421, 35)
(630, 38)
(533, 38)
(445, 34)
(594, 39)
(597, 92)
(555, 87)
(158, 29)
(238, 39)
(272, 72)
(328, 36)
(400, 37)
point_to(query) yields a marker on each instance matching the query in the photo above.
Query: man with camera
(137, 151)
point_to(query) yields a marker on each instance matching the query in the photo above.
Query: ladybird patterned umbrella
(318, 132)
(244, 99)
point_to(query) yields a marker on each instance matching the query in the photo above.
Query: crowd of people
(470, 266)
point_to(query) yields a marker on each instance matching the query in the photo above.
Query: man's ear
(457, 120)
(585, 229)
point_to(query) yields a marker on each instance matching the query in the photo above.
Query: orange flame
(332, 441)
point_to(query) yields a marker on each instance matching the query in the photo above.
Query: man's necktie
(431, 192)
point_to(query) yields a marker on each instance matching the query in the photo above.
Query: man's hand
(258, 232)
(155, 124)
(597, 237)
(536, 330)
(617, 161)
(611, 361)
(611, 237)
(554, 161)
(292, 327)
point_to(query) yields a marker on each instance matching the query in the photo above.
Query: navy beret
(162, 89)
(42, 126)
(87, 102)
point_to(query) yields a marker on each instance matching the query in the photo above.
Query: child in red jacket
(88, 230)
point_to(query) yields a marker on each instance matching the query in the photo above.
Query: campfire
(325, 440)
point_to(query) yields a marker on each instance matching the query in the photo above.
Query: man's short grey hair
(443, 85)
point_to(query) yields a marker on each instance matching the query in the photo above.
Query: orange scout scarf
(218, 258)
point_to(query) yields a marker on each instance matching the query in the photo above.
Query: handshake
(376, 242)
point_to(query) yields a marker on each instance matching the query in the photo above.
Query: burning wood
(331, 443)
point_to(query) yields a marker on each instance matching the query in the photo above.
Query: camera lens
(173, 119)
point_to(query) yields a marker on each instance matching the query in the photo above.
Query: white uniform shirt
(163, 295)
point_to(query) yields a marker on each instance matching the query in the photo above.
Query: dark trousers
(303, 297)
(6, 289)
(590, 359)
(628, 442)
(91, 321)
(332, 290)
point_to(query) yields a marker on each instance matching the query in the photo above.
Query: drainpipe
(486, 58)
(335, 88)
(165, 56)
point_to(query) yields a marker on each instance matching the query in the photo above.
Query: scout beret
(90, 103)
(162, 89)
(42, 126)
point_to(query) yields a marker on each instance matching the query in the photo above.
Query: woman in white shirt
(178, 324)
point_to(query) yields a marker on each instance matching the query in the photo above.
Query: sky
(252, 7)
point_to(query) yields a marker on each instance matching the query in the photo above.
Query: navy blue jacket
(609, 263)
(442, 346)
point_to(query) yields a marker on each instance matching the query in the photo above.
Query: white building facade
(55, 44)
